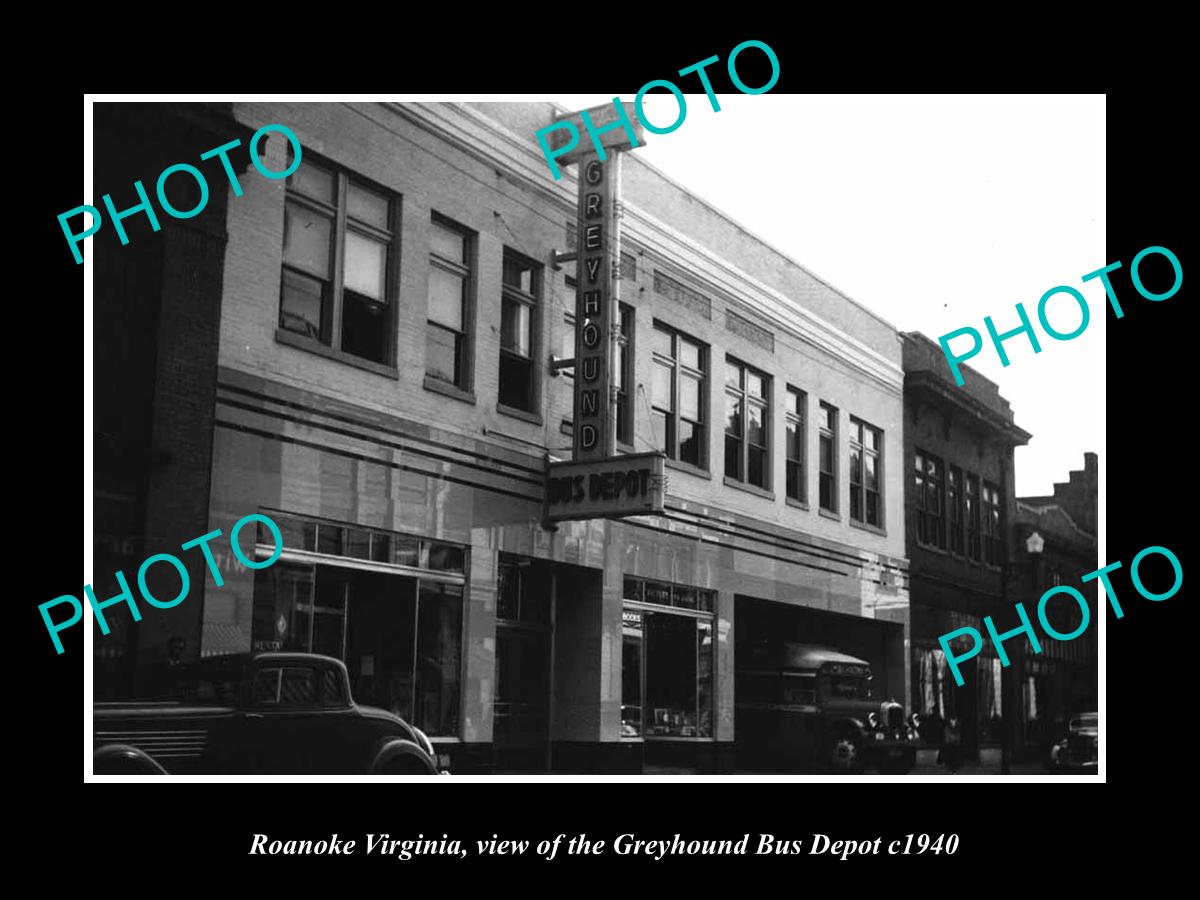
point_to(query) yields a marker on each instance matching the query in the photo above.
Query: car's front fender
(401, 750)
(123, 759)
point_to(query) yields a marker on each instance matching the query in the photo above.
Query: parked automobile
(797, 702)
(1078, 752)
(277, 713)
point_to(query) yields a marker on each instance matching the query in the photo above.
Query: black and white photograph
(697, 435)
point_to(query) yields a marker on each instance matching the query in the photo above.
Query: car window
(800, 689)
(298, 687)
(333, 689)
(849, 687)
(265, 689)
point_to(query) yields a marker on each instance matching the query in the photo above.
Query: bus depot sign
(621, 486)
(596, 482)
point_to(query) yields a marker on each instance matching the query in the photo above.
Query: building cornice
(515, 158)
(932, 384)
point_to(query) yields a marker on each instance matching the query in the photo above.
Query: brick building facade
(363, 352)
(1062, 680)
(958, 454)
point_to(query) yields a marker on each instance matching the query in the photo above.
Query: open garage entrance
(793, 665)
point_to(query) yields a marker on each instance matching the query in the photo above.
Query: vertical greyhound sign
(613, 130)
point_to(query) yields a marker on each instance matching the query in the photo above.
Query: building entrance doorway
(521, 713)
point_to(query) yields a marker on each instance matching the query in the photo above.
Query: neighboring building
(363, 352)
(959, 501)
(1063, 679)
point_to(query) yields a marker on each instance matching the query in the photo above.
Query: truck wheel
(901, 766)
(844, 753)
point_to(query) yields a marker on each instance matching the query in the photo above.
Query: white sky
(932, 211)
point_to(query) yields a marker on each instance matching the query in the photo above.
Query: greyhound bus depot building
(381, 366)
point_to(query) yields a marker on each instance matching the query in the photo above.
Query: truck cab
(803, 704)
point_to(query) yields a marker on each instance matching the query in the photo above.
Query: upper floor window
(954, 512)
(794, 444)
(519, 302)
(866, 447)
(972, 516)
(623, 376)
(677, 395)
(928, 488)
(622, 368)
(448, 329)
(992, 540)
(747, 424)
(339, 243)
(827, 461)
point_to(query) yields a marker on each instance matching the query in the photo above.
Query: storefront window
(400, 635)
(667, 661)
(631, 678)
(439, 638)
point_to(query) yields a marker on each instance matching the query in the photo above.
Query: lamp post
(1009, 686)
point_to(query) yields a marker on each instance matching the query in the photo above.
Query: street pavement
(989, 764)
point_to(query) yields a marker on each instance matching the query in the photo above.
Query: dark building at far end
(1054, 543)
(959, 501)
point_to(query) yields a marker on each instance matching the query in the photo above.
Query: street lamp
(1010, 700)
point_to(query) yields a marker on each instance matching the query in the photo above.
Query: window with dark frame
(405, 654)
(339, 243)
(623, 375)
(677, 395)
(520, 299)
(667, 660)
(972, 516)
(827, 462)
(929, 487)
(992, 541)
(794, 444)
(866, 447)
(954, 513)
(448, 338)
(622, 372)
(747, 424)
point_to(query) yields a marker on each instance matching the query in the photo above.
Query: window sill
(749, 488)
(932, 548)
(447, 389)
(829, 514)
(688, 468)
(863, 526)
(512, 411)
(796, 504)
(300, 342)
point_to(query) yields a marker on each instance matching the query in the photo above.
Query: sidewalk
(989, 764)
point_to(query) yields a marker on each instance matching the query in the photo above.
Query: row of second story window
(955, 512)
(340, 280)
(678, 399)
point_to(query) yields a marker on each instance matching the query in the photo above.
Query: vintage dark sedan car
(1078, 752)
(269, 713)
